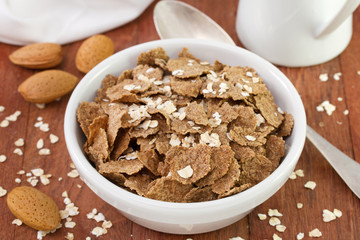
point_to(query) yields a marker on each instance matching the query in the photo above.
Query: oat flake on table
(315, 233)
(292, 176)
(44, 151)
(273, 221)
(2, 192)
(276, 237)
(274, 213)
(4, 123)
(18, 151)
(337, 76)
(70, 224)
(236, 238)
(2, 158)
(17, 222)
(98, 231)
(20, 142)
(326, 106)
(280, 228)
(310, 184)
(299, 173)
(262, 216)
(53, 138)
(328, 216)
(323, 77)
(40, 143)
(40, 105)
(300, 236)
(337, 213)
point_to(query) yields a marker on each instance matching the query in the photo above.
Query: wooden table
(340, 129)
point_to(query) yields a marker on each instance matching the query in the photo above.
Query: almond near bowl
(187, 218)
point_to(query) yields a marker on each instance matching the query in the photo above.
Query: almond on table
(34, 208)
(47, 86)
(92, 51)
(38, 56)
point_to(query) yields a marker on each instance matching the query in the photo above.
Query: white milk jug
(295, 32)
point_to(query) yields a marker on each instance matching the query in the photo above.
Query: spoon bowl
(175, 19)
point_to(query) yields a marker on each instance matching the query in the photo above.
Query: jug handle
(347, 9)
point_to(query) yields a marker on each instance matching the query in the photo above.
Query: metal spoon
(175, 19)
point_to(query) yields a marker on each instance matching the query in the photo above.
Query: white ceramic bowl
(186, 218)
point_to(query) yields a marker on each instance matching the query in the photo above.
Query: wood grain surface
(331, 192)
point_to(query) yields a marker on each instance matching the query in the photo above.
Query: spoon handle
(347, 168)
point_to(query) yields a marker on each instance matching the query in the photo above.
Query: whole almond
(37, 55)
(34, 208)
(92, 51)
(48, 85)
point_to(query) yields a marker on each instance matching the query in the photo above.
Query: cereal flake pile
(183, 130)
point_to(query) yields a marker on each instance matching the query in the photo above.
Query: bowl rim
(110, 188)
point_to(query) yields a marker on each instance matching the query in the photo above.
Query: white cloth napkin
(62, 21)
